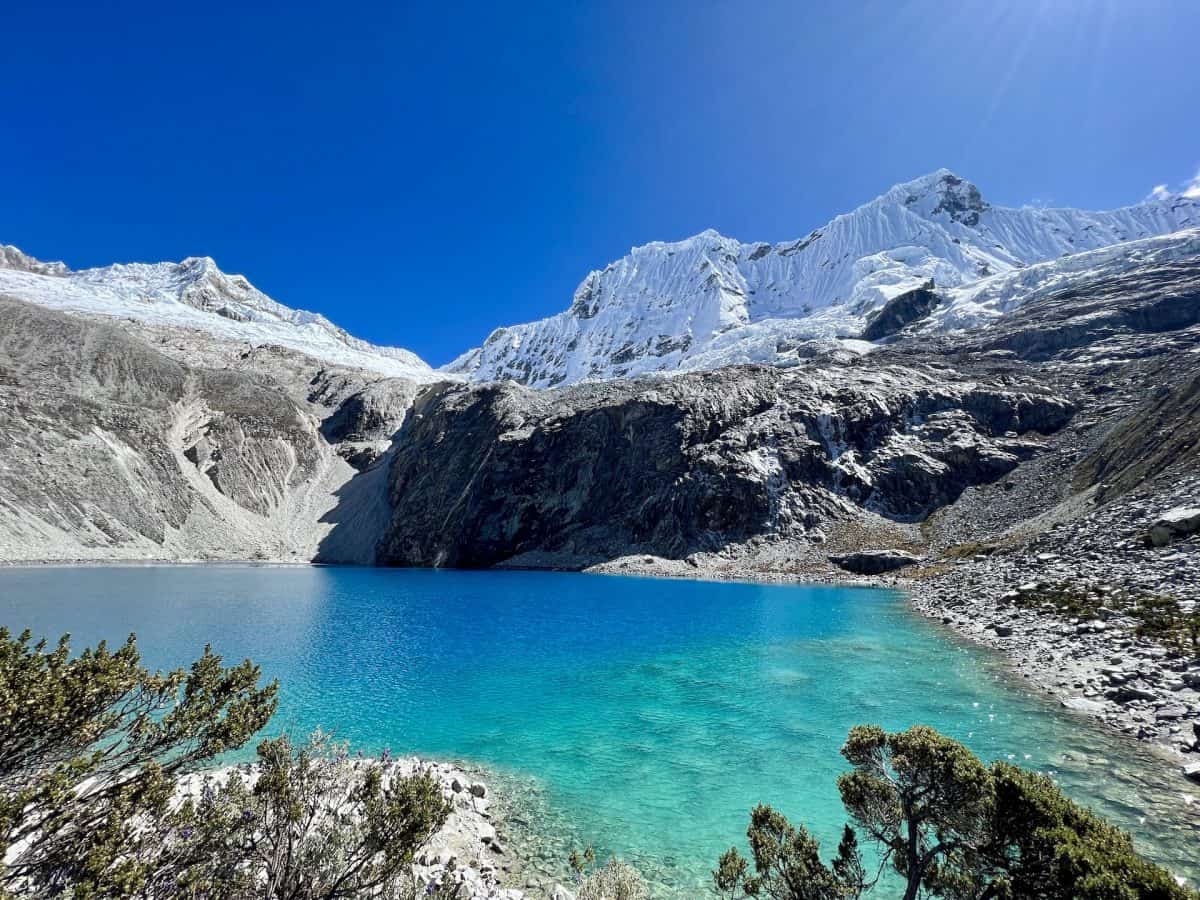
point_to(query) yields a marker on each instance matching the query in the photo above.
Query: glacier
(711, 300)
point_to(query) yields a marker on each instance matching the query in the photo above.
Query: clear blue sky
(422, 173)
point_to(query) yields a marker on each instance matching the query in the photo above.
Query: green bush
(92, 751)
(91, 747)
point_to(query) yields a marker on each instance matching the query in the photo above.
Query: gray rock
(1174, 524)
(900, 311)
(1171, 713)
(1083, 704)
(874, 562)
(1127, 693)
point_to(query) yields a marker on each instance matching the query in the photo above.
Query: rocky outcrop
(1174, 524)
(1162, 433)
(899, 312)
(487, 475)
(1122, 312)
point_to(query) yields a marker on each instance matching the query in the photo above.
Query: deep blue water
(646, 716)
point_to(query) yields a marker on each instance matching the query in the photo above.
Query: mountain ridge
(709, 300)
(700, 303)
(195, 293)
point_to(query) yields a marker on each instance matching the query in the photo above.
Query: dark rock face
(374, 413)
(1154, 301)
(874, 562)
(900, 311)
(696, 462)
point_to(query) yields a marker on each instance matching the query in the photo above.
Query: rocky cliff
(926, 350)
(114, 446)
(671, 466)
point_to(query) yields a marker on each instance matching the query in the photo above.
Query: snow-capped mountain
(711, 300)
(196, 294)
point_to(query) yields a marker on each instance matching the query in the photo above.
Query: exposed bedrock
(1154, 300)
(669, 466)
(899, 312)
(112, 449)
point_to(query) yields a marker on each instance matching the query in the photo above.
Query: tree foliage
(90, 748)
(787, 863)
(950, 827)
(96, 753)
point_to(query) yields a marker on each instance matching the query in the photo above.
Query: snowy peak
(940, 193)
(196, 294)
(710, 300)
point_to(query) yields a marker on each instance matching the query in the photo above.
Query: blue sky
(422, 173)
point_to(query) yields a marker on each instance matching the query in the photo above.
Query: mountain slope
(113, 449)
(195, 294)
(711, 300)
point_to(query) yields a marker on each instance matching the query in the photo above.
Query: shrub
(311, 822)
(614, 881)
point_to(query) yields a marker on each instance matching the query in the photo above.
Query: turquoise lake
(643, 716)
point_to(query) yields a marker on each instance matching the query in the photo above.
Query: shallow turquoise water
(646, 715)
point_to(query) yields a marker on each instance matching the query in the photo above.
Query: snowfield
(196, 294)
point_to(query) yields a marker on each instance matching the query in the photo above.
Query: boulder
(874, 562)
(1192, 770)
(1127, 693)
(1171, 713)
(1174, 524)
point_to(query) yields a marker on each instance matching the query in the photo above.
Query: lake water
(643, 716)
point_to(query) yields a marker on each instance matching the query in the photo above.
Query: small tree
(950, 827)
(90, 750)
(1045, 847)
(315, 824)
(922, 798)
(787, 864)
